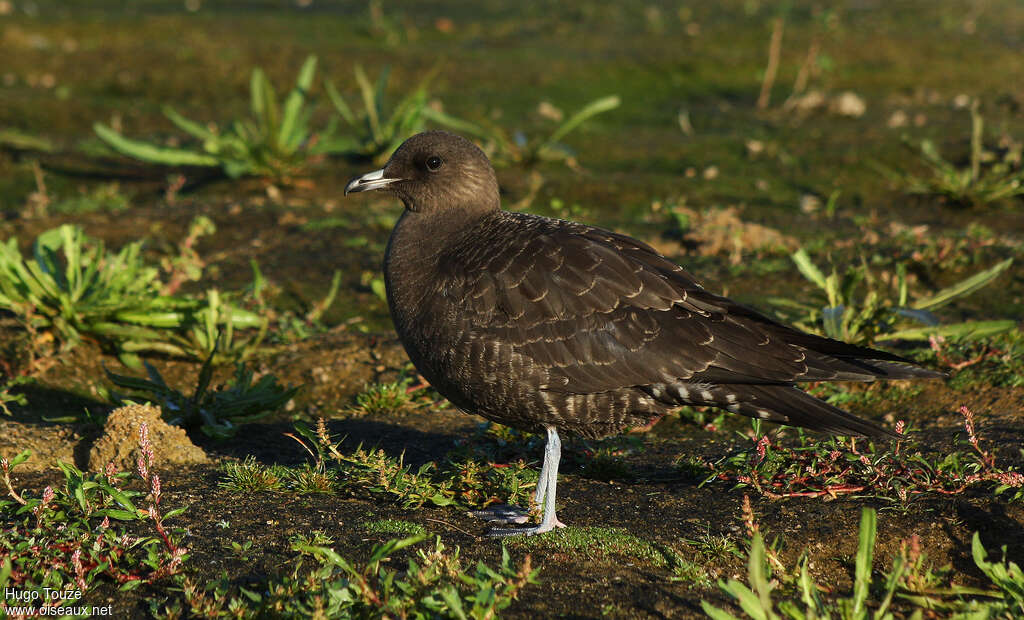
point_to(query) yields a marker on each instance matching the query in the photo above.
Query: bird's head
(434, 172)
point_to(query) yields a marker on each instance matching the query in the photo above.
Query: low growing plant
(518, 149)
(74, 288)
(72, 536)
(990, 175)
(773, 592)
(838, 466)
(275, 142)
(434, 583)
(376, 130)
(859, 308)
(216, 412)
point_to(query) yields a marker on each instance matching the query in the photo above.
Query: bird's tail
(784, 404)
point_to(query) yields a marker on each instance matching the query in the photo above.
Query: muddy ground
(772, 169)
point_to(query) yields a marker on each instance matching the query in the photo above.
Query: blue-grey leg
(545, 494)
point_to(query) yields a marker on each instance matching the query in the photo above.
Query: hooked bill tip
(369, 181)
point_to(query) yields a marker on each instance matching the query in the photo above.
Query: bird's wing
(601, 311)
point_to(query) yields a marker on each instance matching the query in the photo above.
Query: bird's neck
(414, 251)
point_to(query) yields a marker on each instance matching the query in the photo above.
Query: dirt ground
(68, 67)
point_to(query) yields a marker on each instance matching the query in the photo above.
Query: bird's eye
(434, 163)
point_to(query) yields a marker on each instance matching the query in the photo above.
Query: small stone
(120, 441)
(850, 104)
(898, 119)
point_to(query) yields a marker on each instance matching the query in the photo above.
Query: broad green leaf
(152, 153)
(963, 288)
(808, 268)
(592, 109)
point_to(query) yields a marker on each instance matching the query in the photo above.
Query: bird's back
(533, 321)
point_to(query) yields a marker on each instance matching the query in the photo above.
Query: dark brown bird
(549, 325)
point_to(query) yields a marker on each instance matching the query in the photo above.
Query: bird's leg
(545, 491)
(542, 481)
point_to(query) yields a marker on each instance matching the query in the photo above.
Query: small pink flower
(1011, 478)
(762, 447)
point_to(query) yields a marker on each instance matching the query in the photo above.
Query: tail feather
(792, 406)
(782, 403)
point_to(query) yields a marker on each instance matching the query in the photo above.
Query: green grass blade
(263, 101)
(151, 153)
(808, 269)
(458, 124)
(188, 126)
(291, 121)
(590, 110)
(715, 613)
(369, 102)
(339, 103)
(963, 288)
(967, 329)
(865, 553)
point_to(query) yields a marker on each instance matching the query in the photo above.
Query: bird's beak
(369, 181)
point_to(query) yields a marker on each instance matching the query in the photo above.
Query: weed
(859, 307)
(105, 197)
(383, 398)
(73, 287)
(775, 592)
(460, 481)
(314, 538)
(7, 397)
(310, 478)
(714, 546)
(378, 131)
(392, 526)
(990, 175)
(433, 584)
(73, 536)
(250, 475)
(596, 542)
(836, 466)
(518, 149)
(241, 550)
(995, 361)
(276, 142)
(216, 412)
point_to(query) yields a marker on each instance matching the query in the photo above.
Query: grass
(773, 591)
(322, 583)
(597, 542)
(75, 537)
(383, 398)
(394, 526)
(457, 482)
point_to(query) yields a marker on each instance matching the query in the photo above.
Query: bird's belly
(491, 379)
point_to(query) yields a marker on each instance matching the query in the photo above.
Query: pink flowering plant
(71, 535)
(843, 466)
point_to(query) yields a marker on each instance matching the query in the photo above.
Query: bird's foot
(501, 532)
(503, 513)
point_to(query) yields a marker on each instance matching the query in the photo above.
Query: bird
(554, 326)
